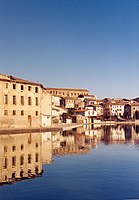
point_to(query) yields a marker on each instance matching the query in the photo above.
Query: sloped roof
(11, 78)
(68, 89)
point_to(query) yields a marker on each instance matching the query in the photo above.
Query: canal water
(90, 162)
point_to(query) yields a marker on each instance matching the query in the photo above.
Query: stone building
(67, 92)
(23, 103)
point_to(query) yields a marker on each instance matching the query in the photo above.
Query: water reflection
(70, 142)
(22, 155)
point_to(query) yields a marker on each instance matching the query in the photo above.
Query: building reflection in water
(22, 155)
(47, 148)
(70, 142)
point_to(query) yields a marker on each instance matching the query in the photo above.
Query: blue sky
(92, 44)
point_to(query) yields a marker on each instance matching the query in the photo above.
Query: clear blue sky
(92, 44)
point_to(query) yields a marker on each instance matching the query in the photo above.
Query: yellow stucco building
(23, 103)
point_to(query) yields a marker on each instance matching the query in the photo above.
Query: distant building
(67, 102)
(113, 107)
(67, 92)
(107, 108)
(131, 109)
(117, 108)
(87, 114)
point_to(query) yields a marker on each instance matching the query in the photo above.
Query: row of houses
(25, 103)
(121, 108)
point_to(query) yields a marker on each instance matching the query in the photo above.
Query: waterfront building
(117, 108)
(131, 109)
(87, 114)
(113, 107)
(57, 113)
(23, 103)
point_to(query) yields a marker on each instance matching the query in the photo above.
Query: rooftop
(10, 78)
(68, 89)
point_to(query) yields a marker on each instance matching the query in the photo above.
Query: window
(22, 146)
(5, 112)
(5, 163)
(5, 149)
(22, 100)
(13, 160)
(37, 145)
(22, 87)
(37, 157)
(5, 99)
(22, 112)
(14, 112)
(21, 174)
(13, 148)
(6, 85)
(36, 169)
(21, 160)
(36, 101)
(14, 100)
(29, 100)
(29, 88)
(36, 89)
(13, 175)
(29, 158)
(36, 113)
(14, 86)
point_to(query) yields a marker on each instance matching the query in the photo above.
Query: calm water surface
(92, 163)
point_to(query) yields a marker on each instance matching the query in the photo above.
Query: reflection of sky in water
(107, 172)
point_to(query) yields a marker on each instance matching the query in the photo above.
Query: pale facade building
(117, 109)
(46, 109)
(23, 103)
(57, 113)
(69, 102)
(56, 100)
